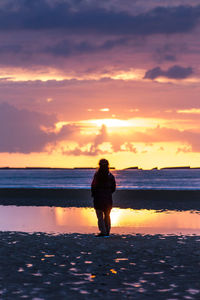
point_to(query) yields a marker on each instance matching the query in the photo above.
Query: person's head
(103, 170)
(104, 165)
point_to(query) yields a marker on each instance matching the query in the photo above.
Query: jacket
(102, 193)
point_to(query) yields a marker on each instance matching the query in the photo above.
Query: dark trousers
(104, 222)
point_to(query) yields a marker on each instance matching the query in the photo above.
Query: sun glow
(104, 109)
(92, 126)
(115, 216)
(121, 218)
(109, 122)
(117, 123)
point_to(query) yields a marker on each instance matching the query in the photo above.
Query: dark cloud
(41, 14)
(92, 151)
(13, 49)
(21, 130)
(168, 52)
(169, 57)
(66, 47)
(33, 31)
(175, 72)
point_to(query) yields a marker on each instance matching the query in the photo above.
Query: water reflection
(83, 220)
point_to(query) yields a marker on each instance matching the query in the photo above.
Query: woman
(103, 185)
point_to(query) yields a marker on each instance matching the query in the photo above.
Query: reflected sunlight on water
(131, 217)
(84, 220)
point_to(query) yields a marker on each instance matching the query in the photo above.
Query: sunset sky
(86, 79)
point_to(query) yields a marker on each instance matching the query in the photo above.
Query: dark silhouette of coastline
(34, 168)
(91, 168)
(50, 168)
(131, 168)
(176, 168)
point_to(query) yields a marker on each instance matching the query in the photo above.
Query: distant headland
(134, 168)
(165, 168)
(49, 168)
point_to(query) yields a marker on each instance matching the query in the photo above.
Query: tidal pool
(83, 220)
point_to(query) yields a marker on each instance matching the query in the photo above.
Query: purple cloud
(73, 18)
(21, 130)
(175, 72)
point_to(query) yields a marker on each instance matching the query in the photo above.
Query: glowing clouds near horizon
(18, 74)
(189, 111)
(98, 78)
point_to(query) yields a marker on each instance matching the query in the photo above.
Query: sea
(131, 179)
(78, 215)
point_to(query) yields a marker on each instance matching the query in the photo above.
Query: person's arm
(113, 186)
(93, 185)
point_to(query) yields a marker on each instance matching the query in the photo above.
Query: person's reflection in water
(103, 185)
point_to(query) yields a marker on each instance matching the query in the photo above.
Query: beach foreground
(82, 266)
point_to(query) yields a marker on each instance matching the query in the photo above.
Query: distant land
(34, 168)
(132, 168)
(136, 168)
(49, 168)
(176, 168)
(180, 168)
(89, 168)
(165, 168)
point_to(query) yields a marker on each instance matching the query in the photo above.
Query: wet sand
(137, 199)
(81, 266)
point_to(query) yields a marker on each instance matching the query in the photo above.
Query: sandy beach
(82, 266)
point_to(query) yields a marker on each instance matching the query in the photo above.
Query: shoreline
(136, 199)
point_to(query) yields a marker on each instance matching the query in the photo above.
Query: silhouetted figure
(103, 185)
